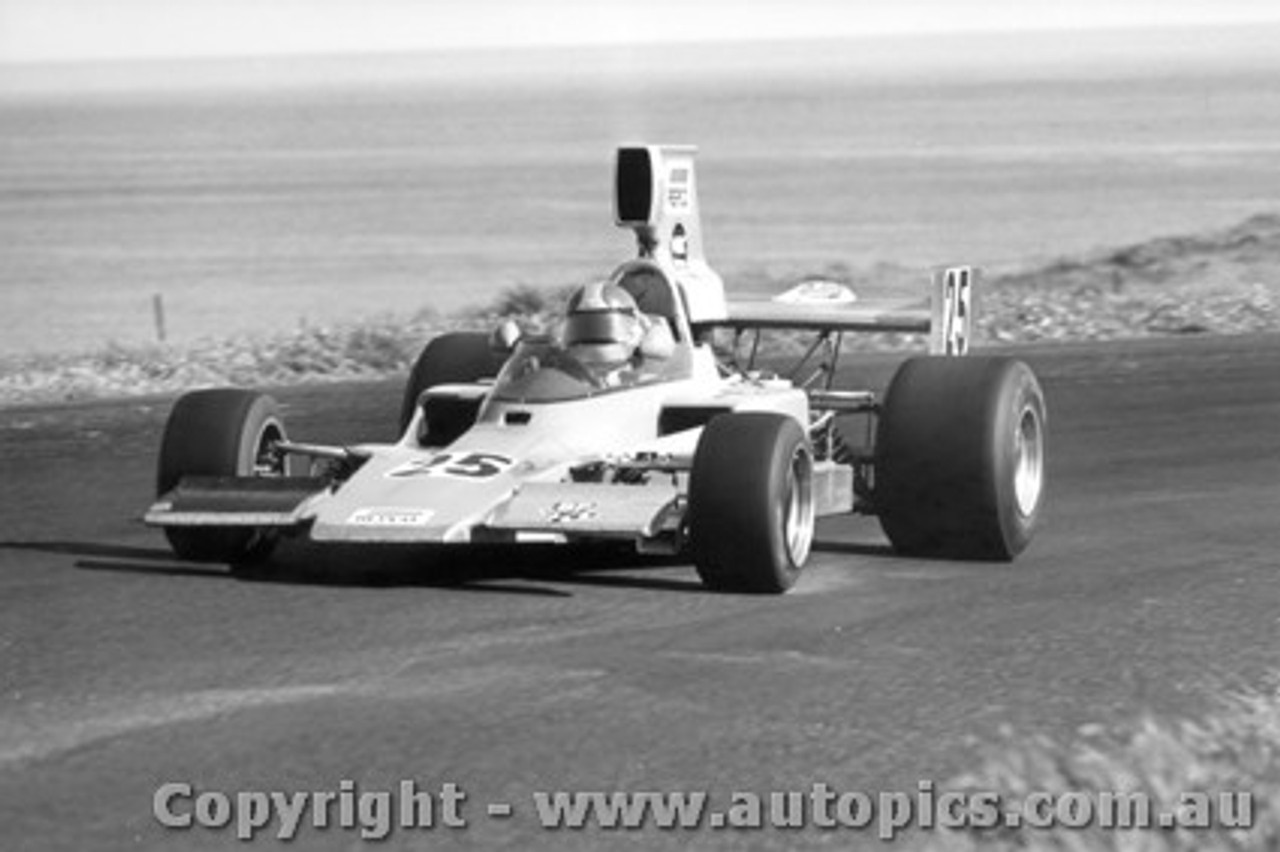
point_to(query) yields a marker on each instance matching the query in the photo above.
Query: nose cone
(417, 498)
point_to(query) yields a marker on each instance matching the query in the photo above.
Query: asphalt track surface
(1154, 585)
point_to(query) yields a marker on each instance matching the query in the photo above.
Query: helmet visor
(599, 327)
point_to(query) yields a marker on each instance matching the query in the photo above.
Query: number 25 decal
(455, 466)
(952, 312)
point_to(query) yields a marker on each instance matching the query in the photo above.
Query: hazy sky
(61, 30)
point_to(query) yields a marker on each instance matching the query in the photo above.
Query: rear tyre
(960, 450)
(223, 432)
(751, 509)
(460, 356)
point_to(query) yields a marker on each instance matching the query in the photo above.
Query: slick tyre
(960, 458)
(751, 509)
(223, 432)
(461, 356)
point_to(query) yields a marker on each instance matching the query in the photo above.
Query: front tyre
(458, 357)
(960, 458)
(222, 432)
(751, 509)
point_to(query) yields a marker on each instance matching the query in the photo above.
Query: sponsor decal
(463, 465)
(390, 516)
(568, 511)
(679, 244)
(678, 189)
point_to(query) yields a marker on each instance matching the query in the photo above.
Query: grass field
(1223, 282)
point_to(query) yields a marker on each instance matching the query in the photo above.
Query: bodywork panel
(627, 511)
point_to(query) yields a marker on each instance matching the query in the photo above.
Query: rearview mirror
(503, 339)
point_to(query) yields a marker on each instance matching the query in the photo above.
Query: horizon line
(454, 50)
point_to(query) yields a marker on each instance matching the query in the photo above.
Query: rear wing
(824, 306)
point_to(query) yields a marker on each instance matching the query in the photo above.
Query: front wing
(562, 509)
(235, 501)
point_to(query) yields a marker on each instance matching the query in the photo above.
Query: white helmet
(603, 325)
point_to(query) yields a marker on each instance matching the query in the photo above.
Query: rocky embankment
(1225, 282)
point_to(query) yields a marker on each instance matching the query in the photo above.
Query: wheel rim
(798, 518)
(266, 461)
(1028, 476)
(269, 464)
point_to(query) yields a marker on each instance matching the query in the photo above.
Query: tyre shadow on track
(853, 548)
(527, 570)
(531, 570)
(143, 560)
(482, 567)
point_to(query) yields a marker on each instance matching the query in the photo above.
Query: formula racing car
(647, 416)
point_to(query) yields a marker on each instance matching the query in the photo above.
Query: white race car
(647, 417)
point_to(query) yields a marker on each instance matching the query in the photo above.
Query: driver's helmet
(603, 324)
